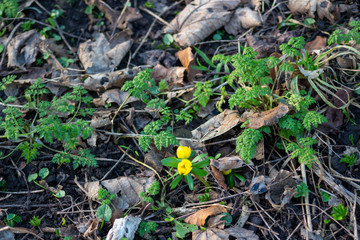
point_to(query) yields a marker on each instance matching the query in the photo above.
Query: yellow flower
(226, 172)
(184, 167)
(183, 152)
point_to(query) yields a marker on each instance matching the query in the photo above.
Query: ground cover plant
(179, 119)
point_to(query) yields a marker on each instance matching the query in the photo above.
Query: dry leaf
(258, 185)
(349, 8)
(319, 43)
(303, 7)
(187, 59)
(241, 233)
(200, 216)
(199, 19)
(173, 76)
(131, 14)
(217, 125)
(267, 118)
(100, 56)
(335, 116)
(227, 163)
(100, 119)
(23, 48)
(219, 177)
(92, 189)
(246, 17)
(130, 187)
(210, 234)
(124, 228)
(113, 96)
(281, 189)
(323, 8)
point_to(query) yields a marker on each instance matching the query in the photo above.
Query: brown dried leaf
(101, 56)
(23, 48)
(219, 177)
(349, 8)
(303, 7)
(217, 125)
(173, 76)
(227, 163)
(200, 216)
(246, 17)
(267, 118)
(241, 233)
(100, 119)
(187, 59)
(210, 234)
(113, 96)
(258, 185)
(334, 116)
(131, 14)
(323, 8)
(130, 187)
(319, 43)
(199, 19)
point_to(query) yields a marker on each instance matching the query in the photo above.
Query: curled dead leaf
(227, 163)
(303, 7)
(319, 43)
(323, 9)
(199, 19)
(217, 125)
(200, 216)
(210, 234)
(173, 76)
(219, 177)
(267, 118)
(247, 18)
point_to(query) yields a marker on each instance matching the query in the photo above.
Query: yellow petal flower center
(184, 167)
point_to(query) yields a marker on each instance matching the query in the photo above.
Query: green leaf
(190, 181)
(32, 177)
(199, 157)
(176, 181)
(183, 228)
(202, 164)
(104, 212)
(44, 172)
(309, 21)
(227, 218)
(168, 39)
(60, 194)
(171, 162)
(199, 172)
(203, 56)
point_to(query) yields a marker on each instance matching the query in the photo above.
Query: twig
(151, 26)
(114, 166)
(308, 214)
(156, 16)
(118, 19)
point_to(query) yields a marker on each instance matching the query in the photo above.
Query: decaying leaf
(130, 187)
(187, 59)
(23, 48)
(349, 8)
(124, 228)
(92, 189)
(335, 116)
(174, 76)
(303, 7)
(241, 233)
(153, 159)
(267, 118)
(113, 96)
(199, 19)
(281, 189)
(246, 17)
(323, 9)
(100, 119)
(101, 56)
(217, 125)
(219, 177)
(131, 14)
(210, 234)
(227, 163)
(200, 216)
(319, 43)
(258, 185)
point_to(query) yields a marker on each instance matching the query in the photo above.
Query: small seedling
(204, 197)
(153, 190)
(325, 197)
(350, 160)
(338, 213)
(148, 227)
(43, 173)
(35, 221)
(168, 39)
(302, 189)
(104, 212)
(12, 219)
